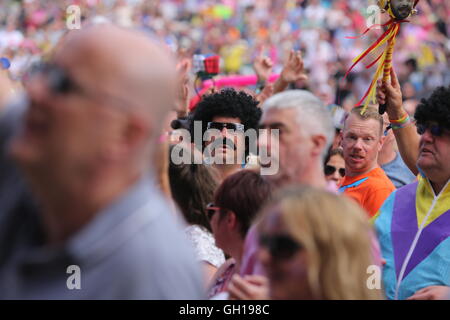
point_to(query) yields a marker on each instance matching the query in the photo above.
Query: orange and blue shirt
(370, 190)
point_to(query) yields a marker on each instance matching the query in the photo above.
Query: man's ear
(381, 142)
(136, 132)
(133, 133)
(319, 144)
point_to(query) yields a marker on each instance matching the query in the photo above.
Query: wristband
(260, 86)
(400, 123)
(402, 120)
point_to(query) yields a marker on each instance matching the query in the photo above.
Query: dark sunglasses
(435, 129)
(60, 82)
(211, 209)
(280, 246)
(329, 170)
(229, 125)
(386, 131)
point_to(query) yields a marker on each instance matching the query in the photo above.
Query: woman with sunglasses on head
(192, 188)
(316, 245)
(235, 207)
(335, 167)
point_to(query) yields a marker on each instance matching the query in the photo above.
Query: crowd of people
(116, 158)
(239, 31)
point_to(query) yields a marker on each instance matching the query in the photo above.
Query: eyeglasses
(229, 125)
(280, 246)
(58, 80)
(211, 209)
(329, 170)
(435, 129)
(386, 131)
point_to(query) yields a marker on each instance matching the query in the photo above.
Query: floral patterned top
(205, 245)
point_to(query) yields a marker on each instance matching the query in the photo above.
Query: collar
(117, 222)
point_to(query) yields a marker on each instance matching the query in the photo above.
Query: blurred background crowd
(88, 166)
(239, 31)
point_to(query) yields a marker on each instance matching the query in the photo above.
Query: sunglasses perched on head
(229, 125)
(280, 246)
(435, 129)
(329, 170)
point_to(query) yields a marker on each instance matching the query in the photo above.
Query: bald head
(122, 63)
(100, 105)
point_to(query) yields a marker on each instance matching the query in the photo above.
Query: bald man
(103, 230)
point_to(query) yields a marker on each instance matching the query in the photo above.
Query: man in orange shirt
(362, 139)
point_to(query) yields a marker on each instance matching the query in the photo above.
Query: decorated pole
(387, 69)
(398, 10)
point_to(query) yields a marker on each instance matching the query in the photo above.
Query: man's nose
(427, 136)
(358, 144)
(263, 139)
(224, 132)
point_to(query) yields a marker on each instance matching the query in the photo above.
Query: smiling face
(361, 143)
(402, 8)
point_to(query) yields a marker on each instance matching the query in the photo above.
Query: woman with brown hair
(192, 188)
(236, 205)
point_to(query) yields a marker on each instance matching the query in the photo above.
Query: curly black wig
(228, 103)
(436, 108)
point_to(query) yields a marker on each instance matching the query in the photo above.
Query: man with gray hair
(305, 133)
(101, 229)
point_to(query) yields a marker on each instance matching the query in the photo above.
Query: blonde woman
(316, 245)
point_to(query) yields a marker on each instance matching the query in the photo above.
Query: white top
(205, 245)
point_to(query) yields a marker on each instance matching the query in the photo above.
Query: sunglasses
(329, 170)
(435, 129)
(229, 125)
(58, 80)
(280, 246)
(211, 209)
(386, 131)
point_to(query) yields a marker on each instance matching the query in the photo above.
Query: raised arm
(405, 133)
(293, 71)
